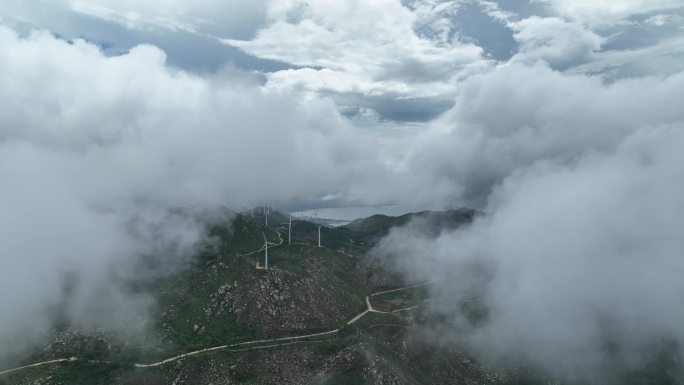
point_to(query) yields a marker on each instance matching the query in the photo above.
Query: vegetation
(370, 230)
(334, 281)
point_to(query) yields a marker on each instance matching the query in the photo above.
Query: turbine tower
(289, 231)
(265, 251)
(319, 235)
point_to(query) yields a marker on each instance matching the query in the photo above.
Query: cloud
(98, 153)
(366, 55)
(605, 12)
(661, 58)
(613, 39)
(580, 249)
(559, 43)
(188, 32)
(519, 114)
(99, 147)
(369, 48)
(661, 20)
(130, 19)
(223, 18)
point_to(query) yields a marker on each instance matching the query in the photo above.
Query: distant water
(348, 214)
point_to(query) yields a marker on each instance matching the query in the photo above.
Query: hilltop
(318, 315)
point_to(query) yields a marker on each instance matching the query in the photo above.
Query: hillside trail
(280, 242)
(369, 309)
(251, 345)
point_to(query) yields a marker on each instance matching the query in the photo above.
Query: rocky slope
(224, 300)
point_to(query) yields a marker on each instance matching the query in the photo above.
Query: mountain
(370, 230)
(319, 315)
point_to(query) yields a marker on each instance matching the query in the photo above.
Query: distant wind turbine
(319, 235)
(289, 231)
(265, 251)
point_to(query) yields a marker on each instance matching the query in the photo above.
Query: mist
(578, 257)
(570, 143)
(98, 154)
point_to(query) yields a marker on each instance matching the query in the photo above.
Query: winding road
(280, 242)
(242, 346)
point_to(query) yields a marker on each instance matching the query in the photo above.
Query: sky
(561, 121)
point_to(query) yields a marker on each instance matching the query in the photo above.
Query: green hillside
(265, 325)
(370, 230)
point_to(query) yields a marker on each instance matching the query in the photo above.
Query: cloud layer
(580, 248)
(569, 137)
(376, 58)
(362, 48)
(97, 153)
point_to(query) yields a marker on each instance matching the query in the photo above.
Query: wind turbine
(289, 231)
(319, 235)
(265, 251)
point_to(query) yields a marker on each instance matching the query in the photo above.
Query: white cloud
(559, 43)
(602, 12)
(580, 246)
(665, 19)
(198, 16)
(362, 47)
(577, 257)
(203, 18)
(659, 59)
(518, 114)
(96, 150)
(129, 18)
(91, 146)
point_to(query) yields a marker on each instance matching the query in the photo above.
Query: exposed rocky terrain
(223, 300)
(281, 301)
